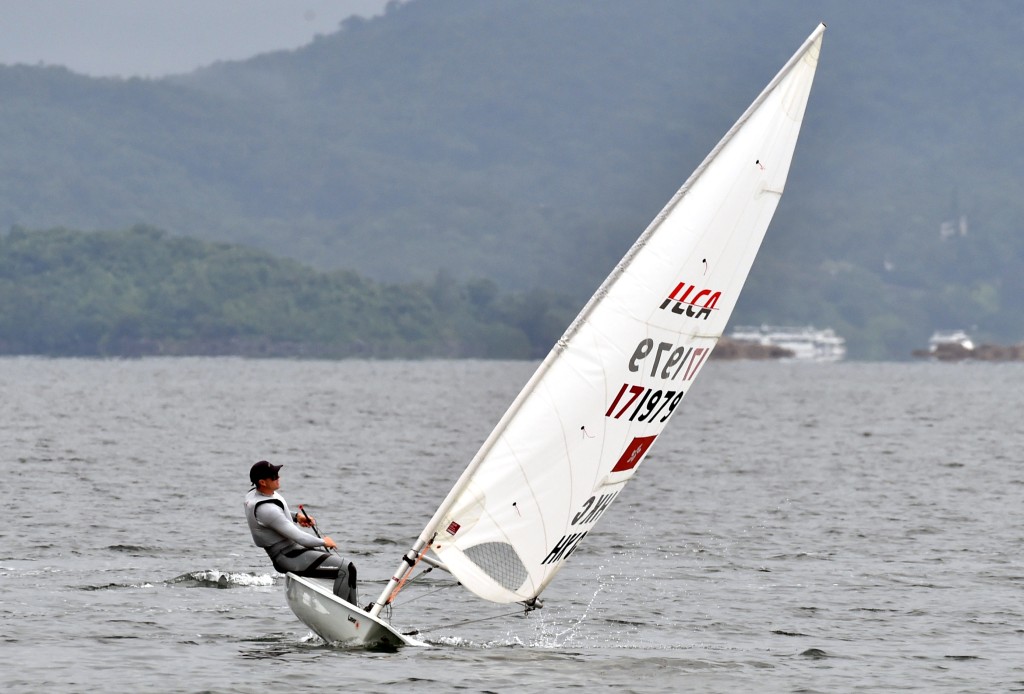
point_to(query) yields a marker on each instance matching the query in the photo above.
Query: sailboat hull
(337, 621)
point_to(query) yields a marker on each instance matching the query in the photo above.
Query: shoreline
(957, 352)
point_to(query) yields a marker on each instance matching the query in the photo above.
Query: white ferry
(950, 338)
(806, 343)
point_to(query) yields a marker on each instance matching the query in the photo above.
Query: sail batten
(586, 420)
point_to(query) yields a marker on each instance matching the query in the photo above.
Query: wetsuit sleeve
(273, 516)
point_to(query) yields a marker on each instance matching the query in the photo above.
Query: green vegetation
(143, 291)
(530, 142)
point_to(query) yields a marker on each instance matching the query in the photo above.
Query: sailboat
(582, 426)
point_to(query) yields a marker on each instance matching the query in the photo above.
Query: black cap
(263, 470)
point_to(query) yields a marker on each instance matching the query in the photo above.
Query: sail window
(499, 561)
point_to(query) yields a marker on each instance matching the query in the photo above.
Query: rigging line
(433, 592)
(417, 577)
(420, 575)
(469, 621)
(405, 576)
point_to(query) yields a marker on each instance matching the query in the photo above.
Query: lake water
(798, 528)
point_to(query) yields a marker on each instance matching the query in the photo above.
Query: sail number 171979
(650, 406)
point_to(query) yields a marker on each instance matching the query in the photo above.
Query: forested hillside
(527, 143)
(144, 292)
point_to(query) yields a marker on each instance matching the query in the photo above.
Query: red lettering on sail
(700, 305)
(633, 453)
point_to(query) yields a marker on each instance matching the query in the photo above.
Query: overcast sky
(151, 38)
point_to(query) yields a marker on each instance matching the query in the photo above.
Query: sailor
(274, 528)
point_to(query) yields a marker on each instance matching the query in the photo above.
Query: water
(798, 528)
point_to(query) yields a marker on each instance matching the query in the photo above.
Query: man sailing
(273, 527)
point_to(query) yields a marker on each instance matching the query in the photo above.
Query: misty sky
(151, 38)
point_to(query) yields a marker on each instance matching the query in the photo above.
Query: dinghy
(586, 420)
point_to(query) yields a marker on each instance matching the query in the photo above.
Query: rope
(432, 592)
(438, 590)
(469, 621)
(405, 577)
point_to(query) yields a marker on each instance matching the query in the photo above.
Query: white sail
(584, 423)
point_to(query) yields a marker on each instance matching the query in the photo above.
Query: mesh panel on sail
(499, 561)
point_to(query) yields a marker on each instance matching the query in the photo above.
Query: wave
(116, 586)
(211, 578)
(134, 550)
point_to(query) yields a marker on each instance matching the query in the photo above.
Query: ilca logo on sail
(684, 301)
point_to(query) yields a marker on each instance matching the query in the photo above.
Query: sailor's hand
(329, 543)
(304, 520)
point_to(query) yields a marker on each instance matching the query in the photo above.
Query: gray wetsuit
(291, 549)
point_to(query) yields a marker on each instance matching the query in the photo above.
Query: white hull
(337, 621)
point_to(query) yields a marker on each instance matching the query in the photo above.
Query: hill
(529, 142)
(144, 292)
